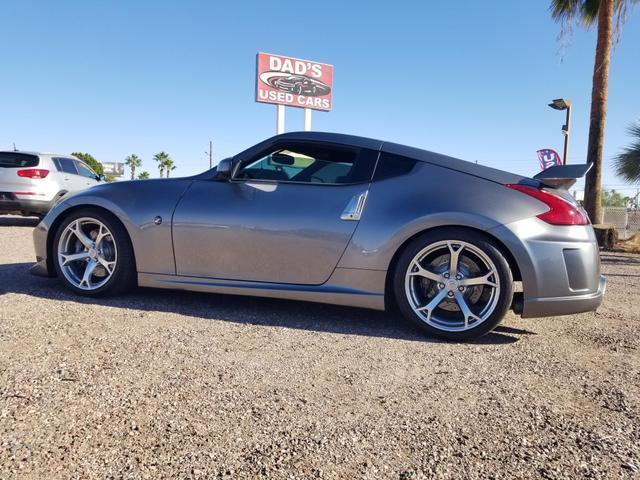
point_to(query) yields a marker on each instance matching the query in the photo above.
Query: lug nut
(446, 275)
(441, 285)
(458, 277)
(461, 289)
(450, 294)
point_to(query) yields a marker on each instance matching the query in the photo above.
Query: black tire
(488, 247)
(124, 276)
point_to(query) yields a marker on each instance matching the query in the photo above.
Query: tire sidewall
(455, 234)
(121, 276)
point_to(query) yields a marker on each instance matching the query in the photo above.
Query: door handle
(353, 210)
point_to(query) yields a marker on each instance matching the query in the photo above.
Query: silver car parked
(339, 219)
(30, 182)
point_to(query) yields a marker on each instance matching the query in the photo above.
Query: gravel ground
(160, 384)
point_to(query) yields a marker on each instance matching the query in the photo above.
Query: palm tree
(133, 162)
(588, 13)
(169, 166)
(161, 160)
(143, 175)
(628, 162)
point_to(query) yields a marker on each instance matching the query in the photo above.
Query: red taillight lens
(561, 212)
(33, 173)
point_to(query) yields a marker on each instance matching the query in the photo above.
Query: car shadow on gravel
(12, 221)
(620, 259)
(15, 278)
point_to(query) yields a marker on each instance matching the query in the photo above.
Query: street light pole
(564, 104)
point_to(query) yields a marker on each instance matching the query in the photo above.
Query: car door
(71, 180)
(88, 176)
(285, 216)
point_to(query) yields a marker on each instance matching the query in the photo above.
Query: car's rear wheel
(454, 283)
(93, 255)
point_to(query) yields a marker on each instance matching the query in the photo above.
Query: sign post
(307, 119)
(288, 81)
(279, 119)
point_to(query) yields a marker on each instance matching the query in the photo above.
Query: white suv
(30, 183)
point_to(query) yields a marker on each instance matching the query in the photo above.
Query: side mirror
(101, 177)
(224, 168)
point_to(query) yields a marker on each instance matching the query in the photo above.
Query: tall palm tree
(143, 175)
(169, 166)
(628, 162)
(588, 13)
(133, 161)
(161, 160)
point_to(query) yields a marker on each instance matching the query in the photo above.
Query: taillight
(33, 173)
(561, 212)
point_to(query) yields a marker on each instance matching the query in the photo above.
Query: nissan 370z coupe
(339, 219)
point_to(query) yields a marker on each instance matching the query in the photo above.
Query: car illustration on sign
(300, 85)
(339, 219)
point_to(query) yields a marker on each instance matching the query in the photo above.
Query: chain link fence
(626, 221)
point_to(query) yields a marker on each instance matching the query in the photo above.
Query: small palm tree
(627, 163)
(161, 160)
(169, 166)
(589, 13)
(143, 175)
(133, 161)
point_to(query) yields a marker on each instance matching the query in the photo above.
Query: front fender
(136, 205)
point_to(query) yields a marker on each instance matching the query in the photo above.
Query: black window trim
(283, 144)
(95, 175)
(73, 160)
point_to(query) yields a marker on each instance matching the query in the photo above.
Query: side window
(390, 166)
(310, 163)
(85, 171)
(56, 162)
(67, 165)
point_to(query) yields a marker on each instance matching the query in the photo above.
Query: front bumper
(43, 266)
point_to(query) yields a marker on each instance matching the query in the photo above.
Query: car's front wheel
(454, 283)
(93, 255)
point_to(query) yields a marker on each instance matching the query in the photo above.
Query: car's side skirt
(346, 286)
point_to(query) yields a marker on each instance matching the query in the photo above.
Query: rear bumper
(559, 266)
(13, 205)
(553, 306)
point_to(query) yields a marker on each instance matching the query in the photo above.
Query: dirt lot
(160, 384)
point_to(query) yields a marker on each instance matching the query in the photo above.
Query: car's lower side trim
(553, 306)
(351, 287)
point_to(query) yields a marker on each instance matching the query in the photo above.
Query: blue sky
(468, 79)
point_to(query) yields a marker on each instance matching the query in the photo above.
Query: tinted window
(392, 166)
(85, 171)
(310, 163)
(68, 165)
(56, 162)
(18, 160)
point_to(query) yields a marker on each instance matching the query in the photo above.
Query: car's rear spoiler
(563, 176)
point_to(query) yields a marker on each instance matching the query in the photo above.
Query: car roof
(403, 150)
(44, 154)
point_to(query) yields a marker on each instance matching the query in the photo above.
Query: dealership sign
(294, 82)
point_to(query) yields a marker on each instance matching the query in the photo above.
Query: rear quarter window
(18, 160)
(390, 166)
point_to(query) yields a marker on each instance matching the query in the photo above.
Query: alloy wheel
(87, 253)
(452, 285)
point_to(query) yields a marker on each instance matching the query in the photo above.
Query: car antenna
(14, 147)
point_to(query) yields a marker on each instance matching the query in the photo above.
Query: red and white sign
(294, 82)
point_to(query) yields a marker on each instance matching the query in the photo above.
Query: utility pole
(210, 152)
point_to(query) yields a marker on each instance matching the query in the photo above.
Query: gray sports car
(339, 219)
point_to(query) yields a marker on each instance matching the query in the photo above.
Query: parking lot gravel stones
(162, 384)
